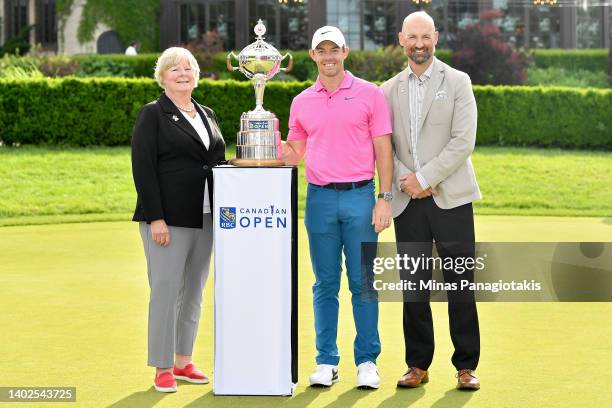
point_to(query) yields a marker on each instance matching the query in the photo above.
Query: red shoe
(190, 373)
(164, 382)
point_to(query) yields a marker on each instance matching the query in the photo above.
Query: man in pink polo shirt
(342, 125)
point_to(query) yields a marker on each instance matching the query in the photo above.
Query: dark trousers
(453, 232)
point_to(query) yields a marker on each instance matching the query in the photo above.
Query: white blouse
(199, 127)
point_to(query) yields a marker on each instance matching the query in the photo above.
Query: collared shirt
(417, 87)
(339, 128)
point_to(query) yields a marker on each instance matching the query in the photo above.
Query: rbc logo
(228, 217)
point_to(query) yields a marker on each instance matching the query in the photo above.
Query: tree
(133, 20)
(481, 52)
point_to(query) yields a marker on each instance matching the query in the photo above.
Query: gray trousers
(177, 274)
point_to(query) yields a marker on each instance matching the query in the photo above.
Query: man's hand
(381, 215)
(160, 232)
(293, 151)
(410, 185)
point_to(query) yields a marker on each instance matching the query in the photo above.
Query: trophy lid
(260, 30)
(260, 57)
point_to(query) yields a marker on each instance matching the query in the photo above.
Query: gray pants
(177, 274)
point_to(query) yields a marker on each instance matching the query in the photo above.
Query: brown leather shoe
(467, 380)
(413, 378)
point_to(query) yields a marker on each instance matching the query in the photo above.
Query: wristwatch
(386, 196)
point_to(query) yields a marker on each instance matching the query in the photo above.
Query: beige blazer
(446, 137)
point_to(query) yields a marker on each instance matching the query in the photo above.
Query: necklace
(184, 110)
(187, 110)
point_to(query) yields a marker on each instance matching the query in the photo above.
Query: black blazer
(170, 163)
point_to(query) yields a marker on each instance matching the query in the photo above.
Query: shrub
(610, 66)
(15, 67)
(486, 58)
(571, 60)
(21, 73)
(132, 66)
(544, 116)
(96, 67)
(209, 42)
(59, 66)
(563, 77)
(18, 44)
(93, 111)
(371, 65)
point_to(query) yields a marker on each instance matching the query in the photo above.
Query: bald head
(419, 19)
(419, 38)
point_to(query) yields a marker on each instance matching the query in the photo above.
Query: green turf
(51, 185)
(74, 301)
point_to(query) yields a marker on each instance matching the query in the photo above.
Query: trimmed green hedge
(376, 65)
(141, 65)
(373, 65)
(572, 60)
(92, 111)
(544, 116)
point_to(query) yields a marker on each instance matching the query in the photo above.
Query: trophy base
(257, 162)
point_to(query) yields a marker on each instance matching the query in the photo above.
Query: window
(198, 18)
(294, 26)
(46, 27)
(589, 26)
(512, 22)
(17, 18)
(269, 13)
(346, 15)
(436, 9)
(379, 23)
(545, 27)
(461, 14)
(286, 23)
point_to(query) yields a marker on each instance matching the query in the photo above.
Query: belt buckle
(343, 186)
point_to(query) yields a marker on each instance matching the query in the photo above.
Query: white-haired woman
(175, 144)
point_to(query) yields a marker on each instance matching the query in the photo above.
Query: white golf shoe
(324, 374)
(367, 375)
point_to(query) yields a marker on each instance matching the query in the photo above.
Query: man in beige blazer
(434, 131)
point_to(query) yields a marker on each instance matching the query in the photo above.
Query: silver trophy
(258, 141)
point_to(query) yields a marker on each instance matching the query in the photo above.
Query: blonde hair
(173, 56)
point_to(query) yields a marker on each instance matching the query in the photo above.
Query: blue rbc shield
(227, 217)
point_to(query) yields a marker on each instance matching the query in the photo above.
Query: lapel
(173, 113)
(404, 104)
(210, 125)
(437, 75)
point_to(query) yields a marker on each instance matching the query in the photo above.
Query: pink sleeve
(296, 131)
(380, 118)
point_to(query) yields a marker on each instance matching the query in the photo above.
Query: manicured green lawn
(48, 185)
(74, 301)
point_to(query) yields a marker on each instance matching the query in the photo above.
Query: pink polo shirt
(339, 127)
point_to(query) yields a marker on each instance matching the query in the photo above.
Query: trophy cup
(258, 141)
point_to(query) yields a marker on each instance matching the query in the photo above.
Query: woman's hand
(160, 233)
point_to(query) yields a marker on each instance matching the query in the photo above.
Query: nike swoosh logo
(326, 32)
(346, 98)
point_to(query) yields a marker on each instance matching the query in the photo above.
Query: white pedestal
(255, 254)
